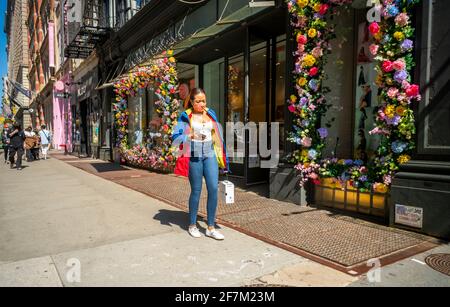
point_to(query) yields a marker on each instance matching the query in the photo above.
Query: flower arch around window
(392, 46)
(159, 75)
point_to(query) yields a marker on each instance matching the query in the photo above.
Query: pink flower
(301, 47)
(412, 91)
(313, 71)
(399, 64)
(374, 28)
(387, 66)
(301, 39)
(374, 49)
(392, 92)
(401, 20)
(317, 52)
(306, 142)
(291, 108)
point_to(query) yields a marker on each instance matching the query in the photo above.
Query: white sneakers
(214, 234)
(193, 231)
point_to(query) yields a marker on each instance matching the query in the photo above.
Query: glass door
(236, 114)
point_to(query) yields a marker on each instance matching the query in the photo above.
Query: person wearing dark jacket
(5, 141)
(17, 138)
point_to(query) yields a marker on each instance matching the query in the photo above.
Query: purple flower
(363, 178)
(400, 76)
(348, 162)
(303, 101)
(406, 45)
(323, 132)
(394, 121)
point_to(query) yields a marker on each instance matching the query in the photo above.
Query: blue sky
(3, 60)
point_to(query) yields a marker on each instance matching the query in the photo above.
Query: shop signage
(61, 95)
(409, 216)
(374, 14)
(154, 47)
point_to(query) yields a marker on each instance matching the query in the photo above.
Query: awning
(113, 75)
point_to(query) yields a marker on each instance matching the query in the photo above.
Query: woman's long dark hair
(194, 92)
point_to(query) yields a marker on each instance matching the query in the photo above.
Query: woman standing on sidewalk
(46, 138)
(199, 136)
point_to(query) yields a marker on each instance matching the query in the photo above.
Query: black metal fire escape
(84, 34)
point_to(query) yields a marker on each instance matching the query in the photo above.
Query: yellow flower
(341, 161)
(302, 3)
(309, 61)
(400, 110)
(172, 59)
(403, 159)
(170, 52)
(302, 81)
(293, 98)
(312, 33)
(304, 153)
(399, 36)
(317, 7)
(303, 113)
(389, 111)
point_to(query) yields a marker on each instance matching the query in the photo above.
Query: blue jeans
(203, 163)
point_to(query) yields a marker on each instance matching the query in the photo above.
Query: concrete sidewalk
(60, 225)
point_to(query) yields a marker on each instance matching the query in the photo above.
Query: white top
(30, 133)
(201, 128)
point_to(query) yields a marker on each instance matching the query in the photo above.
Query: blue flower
(348, 162)
(398, 146)
(312, 154)
(358, 162)
(363, 178)
(392, 10)
(313, 85)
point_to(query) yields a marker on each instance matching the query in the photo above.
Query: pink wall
(60, 107)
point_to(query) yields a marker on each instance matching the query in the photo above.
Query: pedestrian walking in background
(5, 142)
(17, 138)
(37, 146)
(46, 138)
(199, 136)
(30, 143)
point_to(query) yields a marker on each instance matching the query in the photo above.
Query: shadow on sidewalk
(180, 219)
(171, 218)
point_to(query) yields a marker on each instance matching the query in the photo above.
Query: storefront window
(187, 79)
(137, 118)
(152, 134)
(213, 75)
(280, 101)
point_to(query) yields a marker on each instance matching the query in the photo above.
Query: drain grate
(439, 262)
